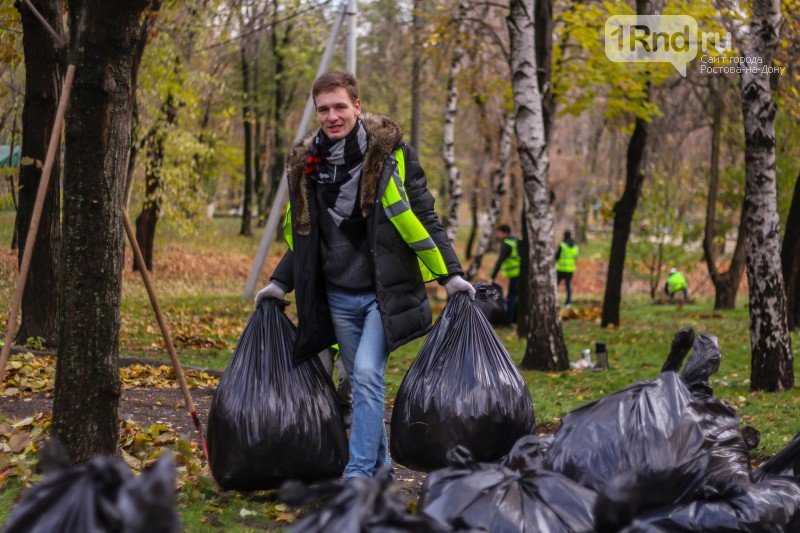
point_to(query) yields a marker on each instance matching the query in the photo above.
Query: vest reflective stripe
(676, 282)
(566, 260)
(398, 209)
(511, 263)
(287, 226)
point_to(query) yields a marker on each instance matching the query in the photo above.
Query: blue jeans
(362, 345)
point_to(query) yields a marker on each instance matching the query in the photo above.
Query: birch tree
(450, 221)
(545, 348)
(771, 354)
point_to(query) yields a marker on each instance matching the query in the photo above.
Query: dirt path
(148, 406)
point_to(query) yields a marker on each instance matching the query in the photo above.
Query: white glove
(270, 291)
(459, 284)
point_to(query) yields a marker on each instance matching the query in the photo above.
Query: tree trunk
(279, 102)
(98, 135)
(151, 205)
(247, 124)
(790, 259)
(545, 349)
(771, 365)
(626, 207)
(43, 72)
(258, 148)
(11, 185)
(726, 284)
(450, 221)
(543, 21)
(416, 78)
(142, 36)
(498, 190)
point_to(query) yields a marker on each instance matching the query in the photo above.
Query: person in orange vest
(509, 262)
(566, 256)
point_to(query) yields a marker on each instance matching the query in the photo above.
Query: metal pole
(33, 230)
(176, 364)
(350, 44)
(276, 212)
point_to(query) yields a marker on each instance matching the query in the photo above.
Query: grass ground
(200, 277)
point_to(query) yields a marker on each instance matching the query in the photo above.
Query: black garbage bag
(654, 443)
(100, 496)
(784, 463)
(358, 504)
(471, 496)
(462, 389)
(492, 305)
(771, 506)
(270, 420)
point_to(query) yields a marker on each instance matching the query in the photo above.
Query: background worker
(566, 255)
(676, 282)
(509, 262)
(363, 239)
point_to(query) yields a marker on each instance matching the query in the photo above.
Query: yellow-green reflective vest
(398, 209)
(511, 263)
(566, 259)
(676, 282)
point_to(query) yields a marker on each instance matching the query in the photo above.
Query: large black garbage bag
(655, 439)
(771, 506)
(471, 496)
(462, 389)
(493, 305)
(101, 496)
(358, 504)
(270, 420)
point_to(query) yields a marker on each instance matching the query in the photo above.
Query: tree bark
(543, 21)
(43, 73)
(98, 135)
(790, 259)
(771, 353)
(726, 283)
(247, 124)
(626, 207)
(151, 205)
(450, 221)
(545, 349)
(498, 190)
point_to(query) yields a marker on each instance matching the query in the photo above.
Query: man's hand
(270, 291)
(459, 284)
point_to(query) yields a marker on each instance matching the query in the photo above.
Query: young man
(509, 261)
(565, 264)
(363, 238)
(676, 282)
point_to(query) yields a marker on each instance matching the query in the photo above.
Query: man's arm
(283, 275)
(505, 251)
(422, 203)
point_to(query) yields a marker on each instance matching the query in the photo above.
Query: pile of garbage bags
(271, 420)
(462, 389)
(100, 496)
(659, 455)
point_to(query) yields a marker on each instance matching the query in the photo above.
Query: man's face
(500, 235)
(337, 113)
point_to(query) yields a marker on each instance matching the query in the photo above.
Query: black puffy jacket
(399, 289)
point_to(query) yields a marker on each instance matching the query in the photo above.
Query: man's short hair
(504, 228)
(330, 81)
(567, 234)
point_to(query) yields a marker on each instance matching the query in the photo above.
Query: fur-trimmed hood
(384, 134)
